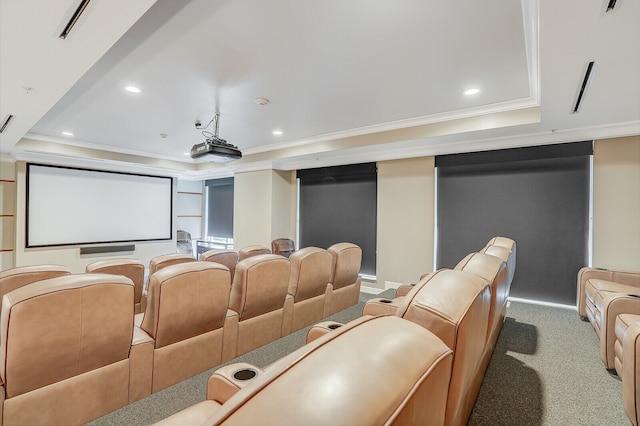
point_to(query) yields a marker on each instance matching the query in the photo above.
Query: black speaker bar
(106, 249)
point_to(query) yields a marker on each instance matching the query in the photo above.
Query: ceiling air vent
(76, 15)
(6, 123)
(583, 88)
(611, 4)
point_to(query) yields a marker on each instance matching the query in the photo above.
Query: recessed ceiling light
(470, 92)
(67, 133)
(277, 132)
(186, 153)
(262, 101)
(132, 89)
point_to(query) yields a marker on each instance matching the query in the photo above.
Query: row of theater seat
(419, 359)
(74, 349)
(610, 301)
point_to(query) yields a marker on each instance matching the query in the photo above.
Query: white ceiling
(348, 81)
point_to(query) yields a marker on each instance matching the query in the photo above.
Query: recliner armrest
(227, 380)
(381, 306)
(404, 289)
(140, 365)
(320, 329)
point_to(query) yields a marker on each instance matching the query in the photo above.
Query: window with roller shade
(219, 210)
(538, 196)
(339, 204)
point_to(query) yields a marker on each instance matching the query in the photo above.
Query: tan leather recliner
(603, 305)
(493, 270)
(228, 258)
(500, 247)
(308, 286)
(630, 368)
(283, 246)
(505, 249)
(623, 321)
(10, 279)
(130, 268)
(159, 262)
(455, 306)
(345, 279)
(67, 350)
(336, 380)
(254, 250)
(186, 311)
(257, 298)
(605, 280)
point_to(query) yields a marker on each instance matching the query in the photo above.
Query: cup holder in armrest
(334, 326)
(385, 301)
(245, 374)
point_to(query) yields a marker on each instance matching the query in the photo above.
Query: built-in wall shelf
(7, 215)
(189, 203)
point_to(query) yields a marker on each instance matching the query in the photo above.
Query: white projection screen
(71, 206)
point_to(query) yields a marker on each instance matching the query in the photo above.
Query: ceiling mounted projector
(214, 147)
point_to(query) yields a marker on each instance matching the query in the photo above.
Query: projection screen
(71, 206)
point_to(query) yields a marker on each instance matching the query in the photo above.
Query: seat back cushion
(310, 273)
(250, 251)
(186, 300)
(346, 262)
(455, 306)
(162, 261)
(11, 279)
(228, 258)
(130, 268)
(58, 328)
(260, 285)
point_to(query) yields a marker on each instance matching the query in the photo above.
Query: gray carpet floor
(545, 370)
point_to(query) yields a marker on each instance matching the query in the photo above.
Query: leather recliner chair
(69, 350)
(455, 306)
(493, 270)
(256, 303)
(185, 314)
(308, 286)
(228, 258)
(250, 251)
(604, 280)
(159, 262)
(500, 247)
(628, 365)
(130, 268)
(283, 246)
(604, 302)
(345, 279)
(406, 384)
(10, 279)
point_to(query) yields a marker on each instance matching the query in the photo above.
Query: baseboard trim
(538, 302)
(391, 284)
(370, 290)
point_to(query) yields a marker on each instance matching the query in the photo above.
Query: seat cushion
(595, 286)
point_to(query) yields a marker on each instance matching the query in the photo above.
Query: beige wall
(405, 227)
(616, 203)
(265, 204)
(284, 205)
(264, 207)
(70, 256)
